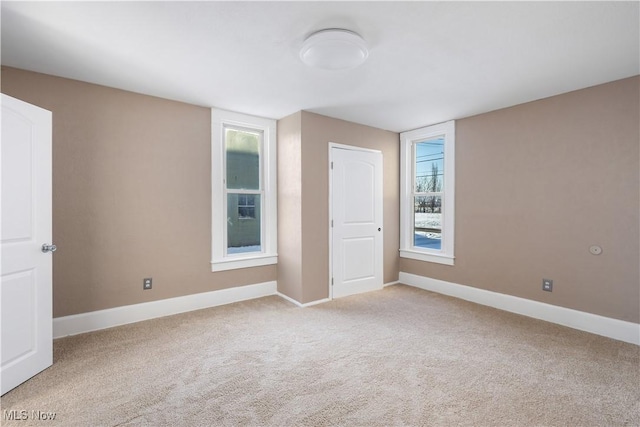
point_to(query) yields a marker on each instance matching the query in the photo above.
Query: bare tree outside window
(428, 182)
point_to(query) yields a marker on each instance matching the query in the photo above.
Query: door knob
(48, 248)
(379, 228)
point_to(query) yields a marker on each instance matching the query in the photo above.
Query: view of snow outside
(424, 239)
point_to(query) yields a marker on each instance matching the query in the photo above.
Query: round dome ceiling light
(334, 49)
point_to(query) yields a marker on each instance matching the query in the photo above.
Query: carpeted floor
(400, 356)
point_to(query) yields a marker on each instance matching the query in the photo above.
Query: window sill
(244, 262)
(429, 257)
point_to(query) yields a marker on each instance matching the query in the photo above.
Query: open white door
(26, 344)
(356, 232)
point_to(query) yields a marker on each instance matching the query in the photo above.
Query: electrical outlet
(147, 283)
(547, 285)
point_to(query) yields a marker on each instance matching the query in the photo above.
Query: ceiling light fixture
(334, 49)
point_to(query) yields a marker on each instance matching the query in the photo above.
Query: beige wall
(290, 206)
(317, 132)
(303, 199)
(538, 184)
(131, 195)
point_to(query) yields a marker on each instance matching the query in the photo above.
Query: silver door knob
(48, 248)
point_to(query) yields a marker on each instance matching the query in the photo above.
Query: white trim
(316, 302)
(391, 283)
(407, 139)
(102, 319)
(306, 304)
(249, 261)
(329, 225)
(269, 208)
(288, 298)
(351, 147)
(588, 322)
(431, 257)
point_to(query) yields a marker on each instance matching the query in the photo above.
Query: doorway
(25, 243)
(355, 208)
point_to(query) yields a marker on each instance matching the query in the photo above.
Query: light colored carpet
(400, 356)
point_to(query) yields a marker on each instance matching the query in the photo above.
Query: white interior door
(26, 344)
(356, 208)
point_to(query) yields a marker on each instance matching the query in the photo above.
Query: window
(427, 200)
(244, 222)
(246, 206)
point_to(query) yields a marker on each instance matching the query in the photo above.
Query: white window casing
(220, 260)
(445, 255)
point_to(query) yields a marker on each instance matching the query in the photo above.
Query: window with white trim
(427, 193)
(244, 204)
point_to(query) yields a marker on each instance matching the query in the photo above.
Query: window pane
(428, 222)
(246, 206)
(243, 223)
(429, 167)
(243, 159)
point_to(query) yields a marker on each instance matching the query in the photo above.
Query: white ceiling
(429, 61)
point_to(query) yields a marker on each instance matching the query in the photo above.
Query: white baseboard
(593, 323)
(320, 301)
(299, 304)
(316, 302)
(102, 319)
